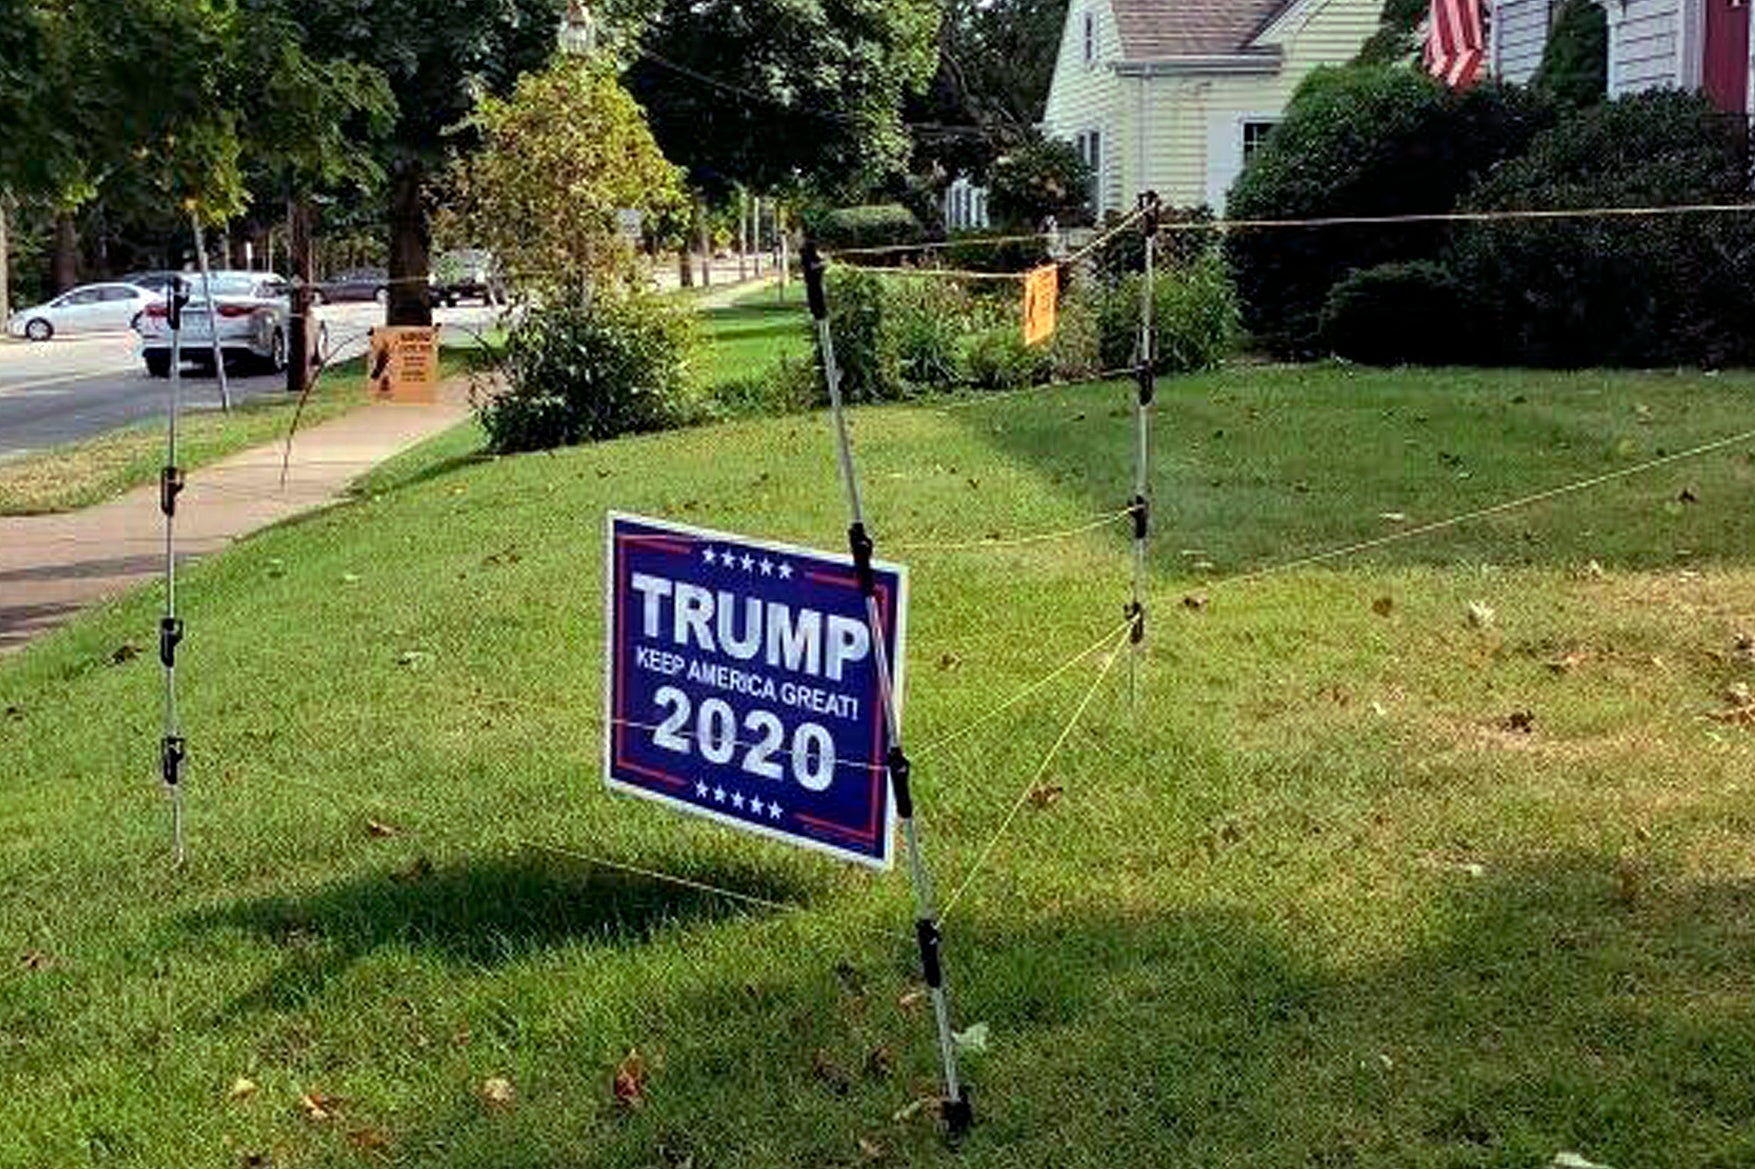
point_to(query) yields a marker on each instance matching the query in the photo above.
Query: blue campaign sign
(741, 684)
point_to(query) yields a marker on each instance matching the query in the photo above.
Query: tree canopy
(771, 93)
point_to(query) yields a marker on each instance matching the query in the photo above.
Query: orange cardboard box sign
(403, 365)
(1041, 303)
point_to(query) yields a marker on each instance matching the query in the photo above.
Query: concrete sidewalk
(53, 566)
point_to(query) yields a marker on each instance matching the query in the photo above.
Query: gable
(1158, 29)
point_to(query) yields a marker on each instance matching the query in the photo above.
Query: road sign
(1041, 303)
(404, 364)
(741, 684)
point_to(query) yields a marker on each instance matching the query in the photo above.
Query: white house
(1653, 44)
(1174, 95)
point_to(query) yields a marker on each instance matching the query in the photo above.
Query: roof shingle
(1152, 29)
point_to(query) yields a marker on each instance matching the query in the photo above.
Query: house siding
(1086, 96)
(1193, 124)
(1644, 46)
(1520, 38)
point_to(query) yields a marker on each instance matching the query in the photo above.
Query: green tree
(438, 57)
(1575, 63)
(557, 160)
(766, 94)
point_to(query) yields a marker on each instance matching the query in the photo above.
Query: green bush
(875, 226)
(1038, 178)
(1638, 291)
(1075, 350)
(1360, 141)
(1194, 314)
(1397, 314)
(996, 358)
(929, 317)
(582, 372)
(975, 251)
(868, 348)
(1575, 62)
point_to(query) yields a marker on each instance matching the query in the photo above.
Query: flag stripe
(1455, 49)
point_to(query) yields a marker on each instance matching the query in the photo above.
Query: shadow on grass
(475, 913)
(1550, 1008)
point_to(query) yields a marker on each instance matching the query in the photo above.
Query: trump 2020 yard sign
(742, 685)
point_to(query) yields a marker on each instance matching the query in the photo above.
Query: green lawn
(753, 332)
(75, 475)
(1360, 884)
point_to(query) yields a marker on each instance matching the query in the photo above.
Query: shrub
(1575, 62)
(1194, 318)
(1360, 141)
(928, 317)
(996, 358)
(1659, 290)
(1397, 314)
(1125, 251)
(974, 251)
(1038, 178)
(867, 348)
(1075, 350)
(792, 384)
(581, 372)
(876, 226)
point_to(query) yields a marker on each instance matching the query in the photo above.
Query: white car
(252, 310)
(90, 308)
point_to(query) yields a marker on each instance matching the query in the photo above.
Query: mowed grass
(754, 331)
(1359, 883)
(79, 474)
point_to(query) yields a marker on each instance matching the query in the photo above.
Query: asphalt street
(68, 389)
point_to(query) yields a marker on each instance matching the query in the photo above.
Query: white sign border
(898, 668)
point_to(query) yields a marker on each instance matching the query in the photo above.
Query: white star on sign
(719, 795)
(749, 562)
(701, 790)
(756, 807)
(767, 567)
(785, 571)
(707, 555)
(773, 811)
(737, 799)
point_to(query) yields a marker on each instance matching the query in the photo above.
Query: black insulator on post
(170, 635)
(172, 752)
(814, 266)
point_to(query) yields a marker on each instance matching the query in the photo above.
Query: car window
(117, 292)
(85, 296)
(224, 286)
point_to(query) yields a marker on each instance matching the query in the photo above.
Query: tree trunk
(411, 244)
(64, 271)
(5, 258)
(301, 337)
(704, 234)
(685, 266)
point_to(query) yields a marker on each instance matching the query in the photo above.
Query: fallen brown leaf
(1383, 606)
(629, 1084)
(880, 1062)
(34, 960)
(911, 1000)
(126, 652)
(870, 1150)
(241, 1089)
(316, 1107)
(1521, 721)
(829, 1073)
(1195, 601)
(1046, 795)
(915, 1107)
(380, 830)
(497, 1093)
(369, 1139)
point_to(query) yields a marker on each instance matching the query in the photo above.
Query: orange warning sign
(1041, 303)
(403, 366)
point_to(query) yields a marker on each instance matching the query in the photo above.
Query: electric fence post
(172, 747)
(1145, 374)
(225, 392)
(958, 1112)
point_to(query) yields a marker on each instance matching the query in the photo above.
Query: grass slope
(1322, 902)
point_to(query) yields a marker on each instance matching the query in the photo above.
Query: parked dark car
(467, 274)
(355, 284)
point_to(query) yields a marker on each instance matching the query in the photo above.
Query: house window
(1090, 37)
(1254, 134)
(1090, 148)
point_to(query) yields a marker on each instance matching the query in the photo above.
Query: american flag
(1456, 42)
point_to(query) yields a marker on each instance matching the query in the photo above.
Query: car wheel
(276, 360)
(134, 325)
(158, 363)
(39, 330)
